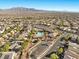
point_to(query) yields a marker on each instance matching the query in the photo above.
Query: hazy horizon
(51, 5)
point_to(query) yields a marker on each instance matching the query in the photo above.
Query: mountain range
(24, 11)
(21, 10)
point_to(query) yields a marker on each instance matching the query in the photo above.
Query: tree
(5, 47)
(68, 37)
(77, 40)
(62, 38)
(33, 31)
(54, 56)
(60, 51)
(61, 23)
(24, 44)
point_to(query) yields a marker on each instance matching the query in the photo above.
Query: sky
(54, 5)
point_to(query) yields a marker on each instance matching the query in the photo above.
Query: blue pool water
(39, 34)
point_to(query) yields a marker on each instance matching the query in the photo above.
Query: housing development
(37, 34)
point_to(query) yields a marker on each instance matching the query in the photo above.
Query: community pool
(39, 34)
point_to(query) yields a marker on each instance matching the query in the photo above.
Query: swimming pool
(39, 34)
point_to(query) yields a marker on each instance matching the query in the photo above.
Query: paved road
(54, 47)
(42, 50)
(33, 49)
(38, 50)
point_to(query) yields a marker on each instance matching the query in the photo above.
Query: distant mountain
(24, 11)
(20, 10)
